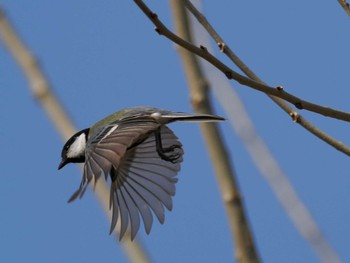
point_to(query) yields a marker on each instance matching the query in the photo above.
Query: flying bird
(140, 156)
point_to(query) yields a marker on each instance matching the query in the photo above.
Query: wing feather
(103, 163)
(113, 203)
(153, 202)
(133, 211)
(123, 212)
(141, 180)
(95, 168)
(142, 206)
(155, 189)
(163, 181)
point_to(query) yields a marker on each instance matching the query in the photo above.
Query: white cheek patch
(78, 147)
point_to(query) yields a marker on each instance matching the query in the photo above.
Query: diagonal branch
(277, 92)
(245, 251)
(43, 93)
(246, 70)
(231, 74)
(345, 5)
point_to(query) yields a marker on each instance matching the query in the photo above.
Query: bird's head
(74, 149)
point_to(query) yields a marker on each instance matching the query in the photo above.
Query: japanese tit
(139, 154)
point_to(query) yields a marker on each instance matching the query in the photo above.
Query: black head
(74, 149)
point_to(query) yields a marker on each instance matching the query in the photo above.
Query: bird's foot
(169, 154)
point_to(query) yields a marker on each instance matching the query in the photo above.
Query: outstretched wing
(141, 180)
(105, 149)
(144, 181)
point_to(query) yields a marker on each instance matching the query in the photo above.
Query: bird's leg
(168, 153)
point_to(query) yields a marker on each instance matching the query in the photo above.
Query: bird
(139, 155)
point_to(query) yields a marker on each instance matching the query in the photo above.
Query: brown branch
(231, 74)
(296, 117)
(345, 5)
(43, 93)
(278, 91)
(245, 248)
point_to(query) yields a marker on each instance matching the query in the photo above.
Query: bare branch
(296, 117)
(42, 92)
(231, 74)
(278, 91)
(345, 5)
(245, 248)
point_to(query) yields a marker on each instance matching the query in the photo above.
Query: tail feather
(192, 117)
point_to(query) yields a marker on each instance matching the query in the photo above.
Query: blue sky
(103, 57)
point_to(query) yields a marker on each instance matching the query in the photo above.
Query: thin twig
(43, 93)
(245, 251)
(296, 117)
(231, 74)
(264, 160)
(278, 91)
(345, 5)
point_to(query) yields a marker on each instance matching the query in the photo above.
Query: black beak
(62, 163)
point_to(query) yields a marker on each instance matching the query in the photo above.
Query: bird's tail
(179, 116)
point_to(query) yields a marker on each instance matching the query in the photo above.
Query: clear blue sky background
(101, 57)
